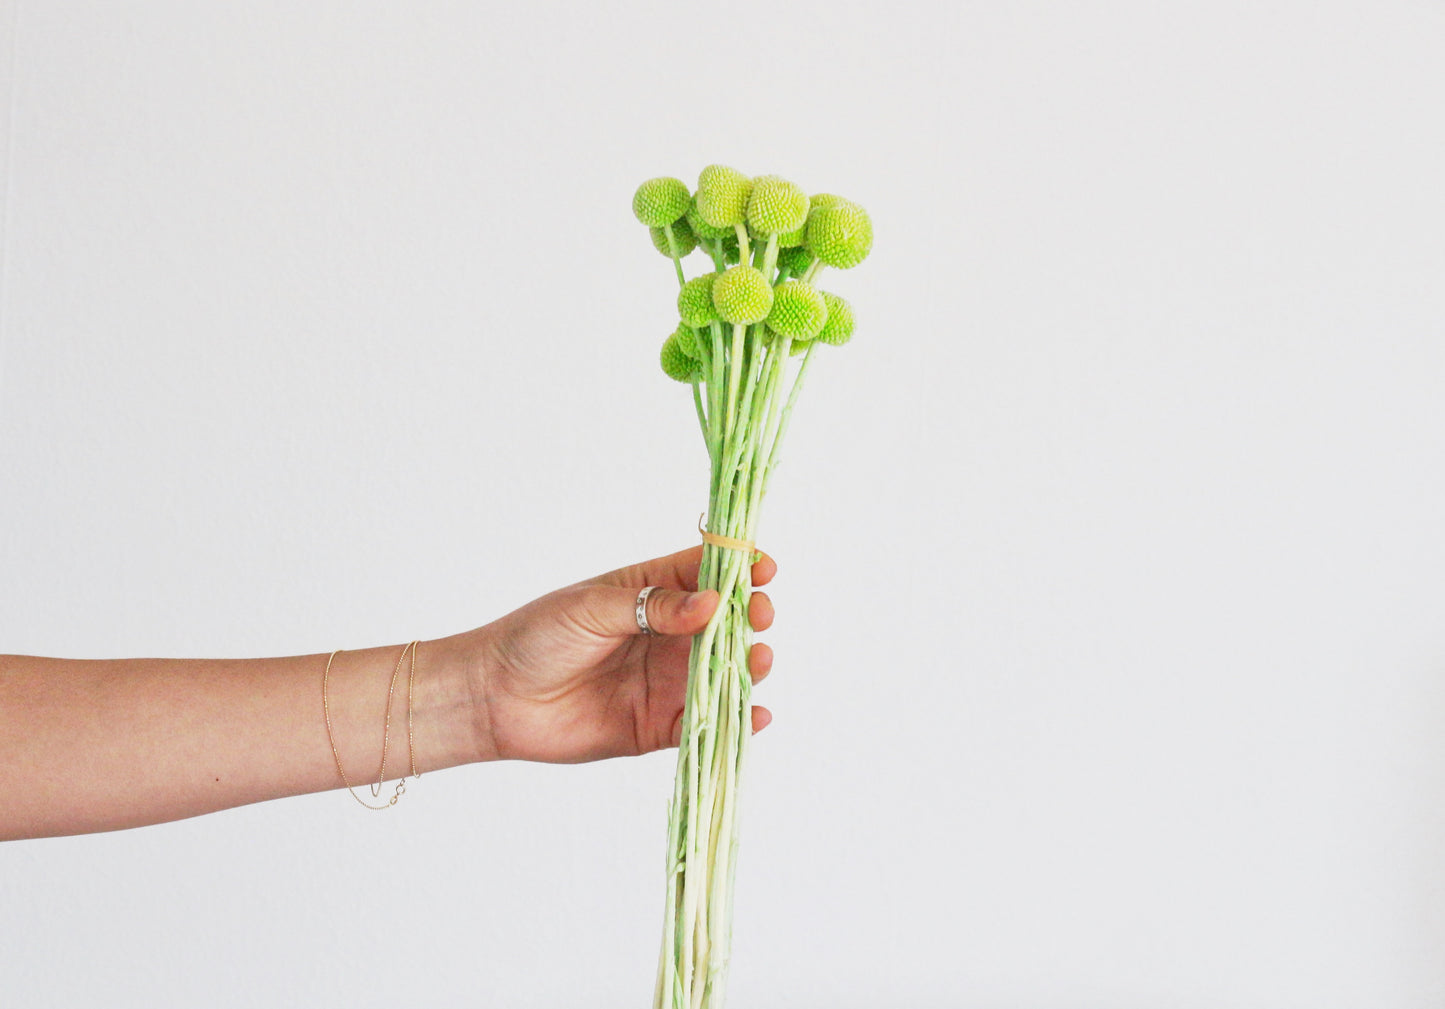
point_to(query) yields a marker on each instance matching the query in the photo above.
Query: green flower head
(795, 260)
(675, 362)
(798, 347)
(798, 310)
(793, 239)
(706, 231)
(722, 196)
(681, 234)
(840, 235)
(694, 301)
(742, 295)
(838, 329)
(661, 201)
(687, 341)
(822, 200)
(776, 206)
(732, 254)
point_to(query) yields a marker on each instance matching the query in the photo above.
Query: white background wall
(1112, 606)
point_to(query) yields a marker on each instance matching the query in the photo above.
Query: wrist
(453, 704)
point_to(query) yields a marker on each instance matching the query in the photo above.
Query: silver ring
(642, 623)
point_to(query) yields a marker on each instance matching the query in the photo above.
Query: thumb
(611, 611)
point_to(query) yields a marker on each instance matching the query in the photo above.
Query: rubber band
(724, 542)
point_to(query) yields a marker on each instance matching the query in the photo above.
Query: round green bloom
(821, 200)
(702, 229)
(661, 201)
(840, 235)
(722, 195)
(681, 234)
(793, 239)
(795, 260)
(675, 362)
(694, 301)
(838, 328)
(798, 347)
(742, 295)
(776, 206)
(798, 310)
(687, 341)
(732, 253)
(786, 239)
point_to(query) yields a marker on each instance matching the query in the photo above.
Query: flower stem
(770, 257)
(672, 251)
(744, 249)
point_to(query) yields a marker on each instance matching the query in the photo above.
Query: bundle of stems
(743, 324)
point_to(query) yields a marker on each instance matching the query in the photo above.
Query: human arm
(109, 744)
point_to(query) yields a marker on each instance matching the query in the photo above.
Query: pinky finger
(762, 718)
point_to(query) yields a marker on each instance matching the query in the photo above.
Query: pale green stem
(744, 249)
(739, 330)
(712, 924)
(745, 714)
(784, 345)
(750, 404)
(689, 880)
(715, 411)
(667, 970)
(701, 415)
(695, 869)
(722, 843)
(787, 416)
(742, 424)
(766, 406)
(770, 257)
(676, 259)
(812, 271)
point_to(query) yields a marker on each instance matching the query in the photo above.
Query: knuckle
(589, 604)
(668, 606)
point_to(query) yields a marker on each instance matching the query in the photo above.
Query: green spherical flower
(732, 253)
(793, 239)
(694, 301)
(840, 235)
(776, 206)
(661, 201)
(722, 196)
(675, 362)
(822, 200)
(786, 239)
(681, 234)
(742, 295)
(706, 231)
(687, 341)
(798, 310)
(798, 347)
(796, 260)
(838, 328)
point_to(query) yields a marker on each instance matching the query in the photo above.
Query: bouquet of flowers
(749, 329)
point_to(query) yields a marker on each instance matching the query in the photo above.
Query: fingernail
(694, 601)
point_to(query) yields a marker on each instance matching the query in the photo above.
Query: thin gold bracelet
(385, 732)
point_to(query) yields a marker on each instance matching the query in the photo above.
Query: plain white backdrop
(1111, 614)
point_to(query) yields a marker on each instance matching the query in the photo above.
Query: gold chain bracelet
(385, 731)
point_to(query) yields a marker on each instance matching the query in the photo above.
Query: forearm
(101, 745)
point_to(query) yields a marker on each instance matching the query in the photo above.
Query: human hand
(570, 678)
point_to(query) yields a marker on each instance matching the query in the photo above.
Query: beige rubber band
(725, 542)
